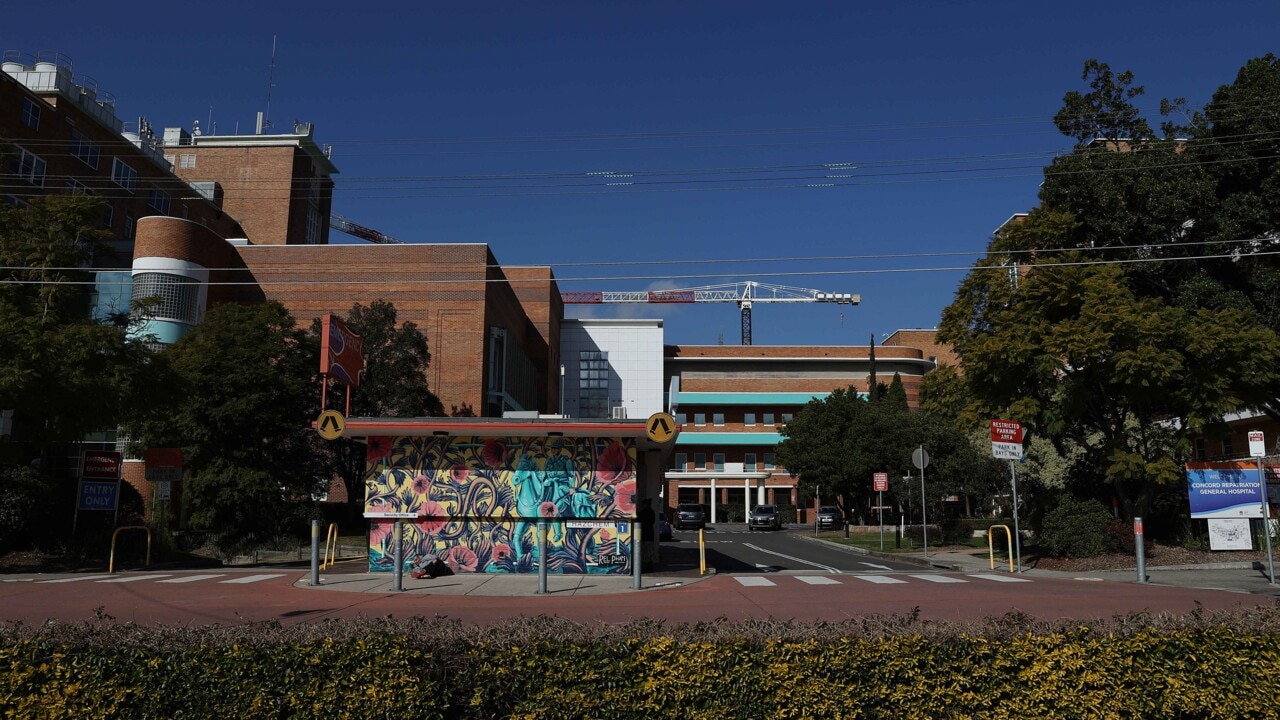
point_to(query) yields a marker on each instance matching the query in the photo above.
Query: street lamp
(561, 389)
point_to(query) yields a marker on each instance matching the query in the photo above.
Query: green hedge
(1206, 665)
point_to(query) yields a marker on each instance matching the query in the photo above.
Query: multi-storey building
(731, 402)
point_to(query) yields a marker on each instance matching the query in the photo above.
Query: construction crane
(340, 223)
(744, 294)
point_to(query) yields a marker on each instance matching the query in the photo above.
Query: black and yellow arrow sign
(660, 427)
(331, 424)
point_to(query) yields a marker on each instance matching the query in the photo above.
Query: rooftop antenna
(271, 75)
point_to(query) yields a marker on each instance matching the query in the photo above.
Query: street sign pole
(1266, 524)
(880, 505)
(920, 459)
(1257, 448)
(1017, 535)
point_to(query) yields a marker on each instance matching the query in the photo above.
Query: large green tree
(1072, 350)
(62, 373)
(247, 394)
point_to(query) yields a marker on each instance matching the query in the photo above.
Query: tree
(63, 373)
(1105, 112)
(248, 393)
(1071, 350)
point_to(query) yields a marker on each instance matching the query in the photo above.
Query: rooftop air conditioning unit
(619, 412)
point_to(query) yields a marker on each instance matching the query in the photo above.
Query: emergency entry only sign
(1006, 439)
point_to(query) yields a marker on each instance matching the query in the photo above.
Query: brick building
(731, 402)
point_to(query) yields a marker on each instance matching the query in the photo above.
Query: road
(734, 549)
(236, 596)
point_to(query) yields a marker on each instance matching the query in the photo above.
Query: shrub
(25, 496)
(1076, 528)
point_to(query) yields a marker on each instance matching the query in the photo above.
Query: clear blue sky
(723, 114)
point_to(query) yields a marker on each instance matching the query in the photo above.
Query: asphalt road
(735, 549)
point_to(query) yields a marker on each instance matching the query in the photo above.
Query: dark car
(664, 527)
(689, 515)
(766, 517)
(829, 516)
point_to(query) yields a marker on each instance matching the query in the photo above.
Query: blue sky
(492, 122)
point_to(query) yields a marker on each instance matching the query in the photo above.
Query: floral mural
(477, 502)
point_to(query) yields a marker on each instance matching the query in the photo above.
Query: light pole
(561, 389)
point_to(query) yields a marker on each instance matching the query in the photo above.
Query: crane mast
(743, 294)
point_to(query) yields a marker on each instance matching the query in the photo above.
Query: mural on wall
(477, 502)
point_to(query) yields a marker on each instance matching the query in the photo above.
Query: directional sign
(660, 427)
(331, 424)
(881, 482)
(100, 465)
(98, 495)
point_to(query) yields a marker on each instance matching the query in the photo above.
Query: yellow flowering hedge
(1203, 665)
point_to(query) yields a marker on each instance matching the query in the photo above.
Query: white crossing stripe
(191, 578)
(752, 581)
(1001, 578)
(817, 580)
(880, 579)
(250, 579)
(132, 578)
(74, 579)
(940, 578)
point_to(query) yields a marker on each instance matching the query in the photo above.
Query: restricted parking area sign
(1006, 439)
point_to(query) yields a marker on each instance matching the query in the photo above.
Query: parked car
(664, 527)
(830, 517)
(690, 515)
(764, 517)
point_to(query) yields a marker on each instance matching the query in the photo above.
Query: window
(159, 201)
(108, 215)
(699, 418)
(749, 419)
(129, 223)
(682, 461)
(1228, 449)
(1198, 452)
(786, 418)
(313, 226)
(768, 461)
(178, 295)
(85, 151)
(186, 161)
(717, 462)
(593, 384)
(681, 419)
(718, 419)
(29, 167)
(123, 175)
(749, 462)
(30, 114)
(768, 418)
(699, 461)
(75, 187)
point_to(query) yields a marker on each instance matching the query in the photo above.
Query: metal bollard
(315, 553)
(542, 557)
(1137, 545)
(397, 584)
(637, 553)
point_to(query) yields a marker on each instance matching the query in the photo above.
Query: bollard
(1137, 546)
(542, 557)
(637, 554)
(315, 553)
(397, 584)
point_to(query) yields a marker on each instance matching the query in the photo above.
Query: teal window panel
(728, 438)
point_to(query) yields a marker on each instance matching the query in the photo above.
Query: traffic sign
(1006, 439)
(98, 495)
(881, 482)
(163, 464)
(1257, 444)
(660, 427)
(331, 424)
(920, 458)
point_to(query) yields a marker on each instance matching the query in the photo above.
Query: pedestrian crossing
(902, 579)
(163, 579)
